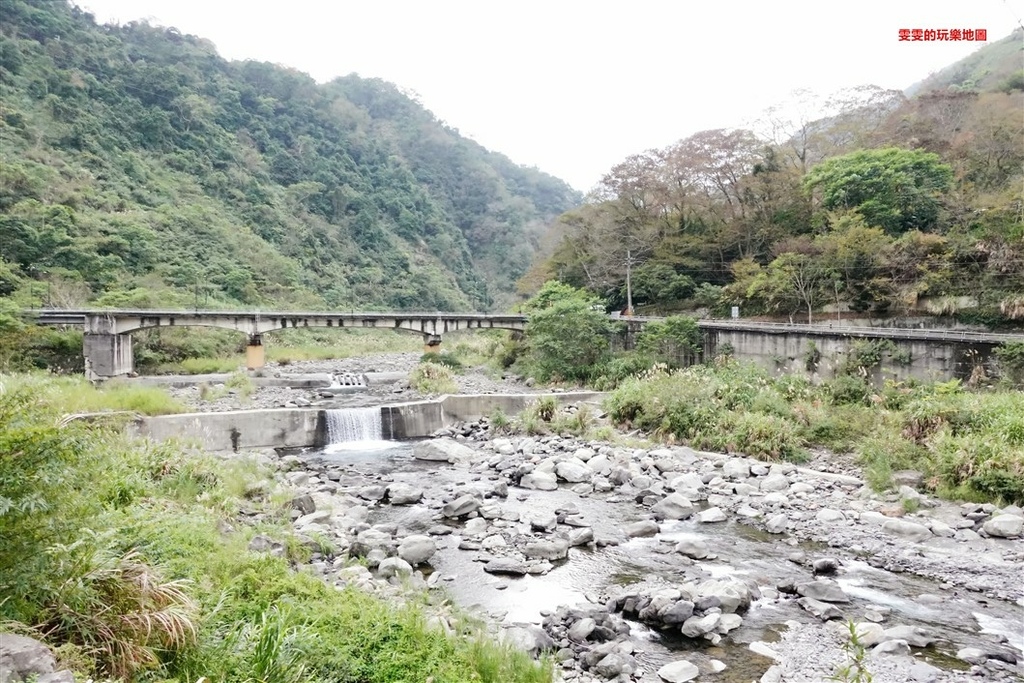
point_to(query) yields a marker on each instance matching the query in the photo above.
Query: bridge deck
(78, 318)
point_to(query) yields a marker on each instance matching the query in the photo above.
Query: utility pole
(629, 282)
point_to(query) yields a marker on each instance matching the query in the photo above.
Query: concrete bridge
(107, 345)
(925, 354)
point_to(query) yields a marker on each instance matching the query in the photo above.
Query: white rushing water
(356, 429)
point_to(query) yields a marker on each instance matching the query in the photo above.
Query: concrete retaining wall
(301, 427)
(238, 429)
(421, 418)
(790, 353)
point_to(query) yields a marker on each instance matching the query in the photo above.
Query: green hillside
(137, 167)
(996, 66)
(894, 206)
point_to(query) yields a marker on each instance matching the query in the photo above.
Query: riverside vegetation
(132, 559)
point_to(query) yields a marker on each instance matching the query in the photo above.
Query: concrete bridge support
(108, 355)
(255, 355)
(431, 343)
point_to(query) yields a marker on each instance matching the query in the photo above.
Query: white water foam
(355, 429)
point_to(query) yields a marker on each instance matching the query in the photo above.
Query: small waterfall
(346, 425)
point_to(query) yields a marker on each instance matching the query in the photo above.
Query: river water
(958, 619)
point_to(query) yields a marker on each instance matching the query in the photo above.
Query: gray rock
(416, 549)
(529, 638)
(774, 482)
(506, 565)
(825, 565)
(582, 536)
(404, 494)
(971, 655)
(25, 657)
(677, 613)
(912, 478)
(869, 634)
(711, 515)
(446, 450)
(828, 516)
(540, 481)
(777, 524)
(461, 506)
(582, 629)
(573, 471)
(673, 506)
(923, 672)
(1004, 526)
(694, 627)
(892, 647)
(822, 610)
(695, 548)
(911, 530)
(304, 504)
(678, 672)
(731, 595)
(736, 468)
(542, 521)
(373, 492)
(646, 527)
(609, 667)
(556, 549)
(914, 635)
(394, 566)
(826, 591)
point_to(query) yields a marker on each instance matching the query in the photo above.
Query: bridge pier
(107, 355)
(431, 343)
(255, 356)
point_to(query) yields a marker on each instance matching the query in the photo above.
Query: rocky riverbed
(387, 376)
(668, 564)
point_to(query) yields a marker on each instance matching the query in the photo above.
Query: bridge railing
(77, 317)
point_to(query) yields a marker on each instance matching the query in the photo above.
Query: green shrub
(768, 437)
(41, 478)
(431, 378)
(445, 359)
(847, 390)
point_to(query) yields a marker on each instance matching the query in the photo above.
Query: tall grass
(967, 444)
(74, 394)
(131, 556)
(432, 378)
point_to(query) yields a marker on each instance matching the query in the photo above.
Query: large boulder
(911, 530)
(556, 549)
(404, 494)
(461, 506)
(444, 450)
(573, 471)
(416, 549)
(825, 591)
(673, 506)
(27, 659)
(540, 481)
(1004, 526)
(678, 672)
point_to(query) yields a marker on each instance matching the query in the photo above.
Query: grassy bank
(132, 560)
(968, 445)
(74, 394)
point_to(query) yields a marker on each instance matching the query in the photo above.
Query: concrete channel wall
(301, 427)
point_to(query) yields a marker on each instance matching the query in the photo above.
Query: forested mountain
(890, 204)
(139, 168)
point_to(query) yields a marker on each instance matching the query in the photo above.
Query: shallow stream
(955, 616)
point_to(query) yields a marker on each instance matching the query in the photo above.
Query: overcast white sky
(574, 86)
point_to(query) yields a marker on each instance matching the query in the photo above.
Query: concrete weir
(303, 427)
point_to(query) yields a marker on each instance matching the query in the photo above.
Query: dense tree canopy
(887, 205)
(137, 167)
